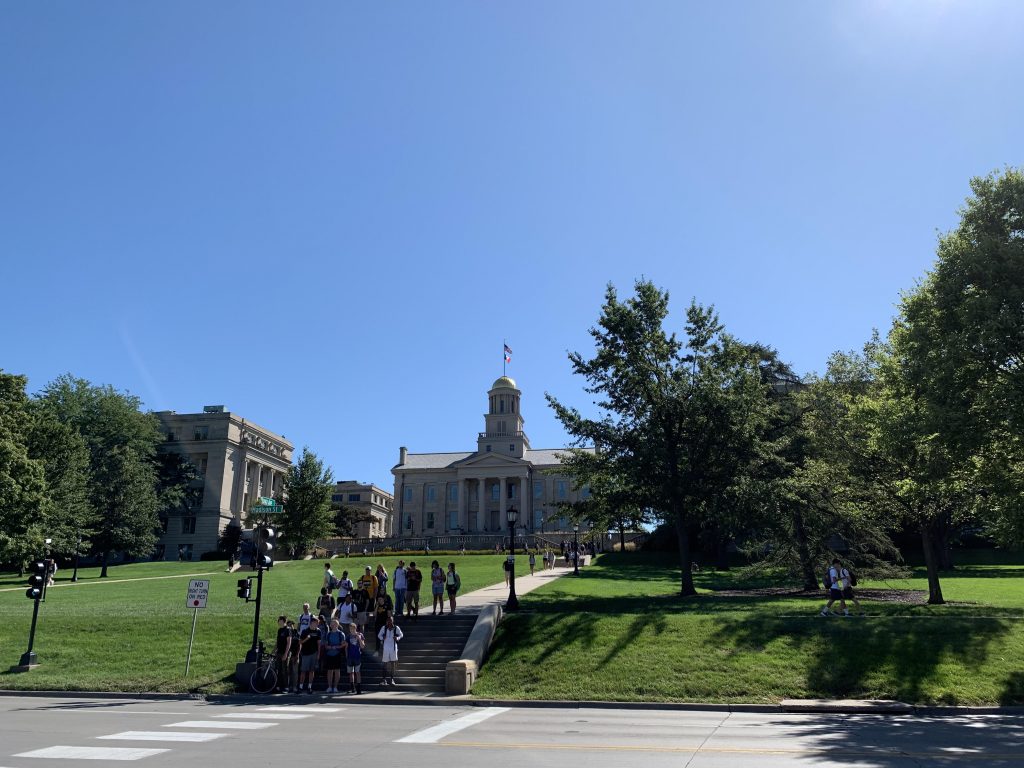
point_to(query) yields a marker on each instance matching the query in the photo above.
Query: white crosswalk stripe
(303, 708)
(437, 732)
(92, 753)
(239, 725)
(164, 736)
(266, 716)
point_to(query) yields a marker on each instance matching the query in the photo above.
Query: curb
(817, 708)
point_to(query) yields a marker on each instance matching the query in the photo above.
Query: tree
(347, 519)
(179, 484)
(959, 341)
(22, 478)
(122, 442)
(676, 420)
(307, 508)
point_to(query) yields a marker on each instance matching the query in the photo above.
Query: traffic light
(244, 588)
(265, 540)
(37, 581)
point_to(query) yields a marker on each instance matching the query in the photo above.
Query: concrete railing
(461, 673)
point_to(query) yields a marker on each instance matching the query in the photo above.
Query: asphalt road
(37, 732)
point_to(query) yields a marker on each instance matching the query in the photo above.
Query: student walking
(437, 586)
(506, 566)
(330, 580)
(354, 654)
(848, 580)
(452, 583)
(533, 562)
(834, 585)
(400, 585)
(389, 636)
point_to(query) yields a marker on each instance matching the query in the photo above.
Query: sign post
(198, 591)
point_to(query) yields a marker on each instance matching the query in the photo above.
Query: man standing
(309, 641)
(414, 579)
(401, 585)
(347, 611)
(304, 618)
(368, 582)
(283, 651)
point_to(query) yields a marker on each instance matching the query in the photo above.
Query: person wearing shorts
(835, 590)
(437, 586)
(414, 579)
(282, 652)
(309, 642)
(333, 655)
(533, 562)
(844, 577)
(354, 659)
(452, 583)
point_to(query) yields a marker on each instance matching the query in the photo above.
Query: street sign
(266, 501)
(198, 590)
(265, 506)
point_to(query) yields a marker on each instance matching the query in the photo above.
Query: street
(326, 732)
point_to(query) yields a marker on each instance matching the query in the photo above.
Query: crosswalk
(182, 732)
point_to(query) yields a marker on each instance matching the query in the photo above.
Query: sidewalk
(472, 602)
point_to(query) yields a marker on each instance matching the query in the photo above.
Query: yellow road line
(795, 752)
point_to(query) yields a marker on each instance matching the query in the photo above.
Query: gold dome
(504, 383)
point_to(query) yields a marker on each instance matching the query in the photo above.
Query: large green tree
(677, 420)
(308, 515)
(23, 492)
(959, 343)
(123, 475)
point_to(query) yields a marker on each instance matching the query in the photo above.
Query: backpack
(853, 577)
(827, 581)
(333, 582)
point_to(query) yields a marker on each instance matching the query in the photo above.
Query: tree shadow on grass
(844, 657)
(1013, 690)
(897, 742)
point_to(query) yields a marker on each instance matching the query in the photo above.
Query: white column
(526, 503)
(502, 493)
(463, 505)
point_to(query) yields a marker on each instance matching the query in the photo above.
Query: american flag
(508, 354)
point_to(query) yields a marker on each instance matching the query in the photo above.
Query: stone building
(373, 502)
(238, 460)
(470, 491)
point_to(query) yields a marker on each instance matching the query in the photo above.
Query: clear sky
(328, 215)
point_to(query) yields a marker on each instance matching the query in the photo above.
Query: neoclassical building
(470, 491)
(238, 460)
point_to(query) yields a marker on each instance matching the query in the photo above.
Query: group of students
(839, 583)
(333, 638)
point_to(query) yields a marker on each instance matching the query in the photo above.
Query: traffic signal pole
(28, 658)
(253, 656)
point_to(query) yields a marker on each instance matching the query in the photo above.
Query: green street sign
(266, 506)
(266, 501)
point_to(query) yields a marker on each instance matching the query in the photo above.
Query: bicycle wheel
(264, 679)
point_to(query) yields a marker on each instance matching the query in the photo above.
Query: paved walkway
(498, 593)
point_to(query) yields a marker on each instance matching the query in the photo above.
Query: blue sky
(328, 215)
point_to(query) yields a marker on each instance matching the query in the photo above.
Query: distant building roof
(540, 457)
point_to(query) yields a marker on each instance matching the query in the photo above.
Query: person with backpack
(334, 646)
(330, 580)
(400, 584)
(533, 561)
(437, 586)
(834, 586)
(325, 604)
(453, 583)
(354, 656)
(389, 636)
(414, 578)
(382, 579)
(345, 586)
(849, 581)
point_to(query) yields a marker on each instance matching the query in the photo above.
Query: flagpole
(504, 357)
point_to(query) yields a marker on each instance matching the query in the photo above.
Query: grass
(130, 632)
(619, 632)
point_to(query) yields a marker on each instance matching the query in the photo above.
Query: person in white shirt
(389, 636)
(834, 583)
(399, 584)
(347, 611)
(344, 586)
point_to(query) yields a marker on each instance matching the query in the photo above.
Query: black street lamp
(78, 546)
(576, 550)
(513, 602)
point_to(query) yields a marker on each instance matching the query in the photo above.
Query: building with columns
(470, 491)
(374, 504)
(238, 460)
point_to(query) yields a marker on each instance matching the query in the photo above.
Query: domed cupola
(503, 423)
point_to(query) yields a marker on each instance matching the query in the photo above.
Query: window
(487, 448)
(430, 520)
(453, 492)
(188, 524)
(354, 497)
(502, 426)
(538, 518)
(453, 519)
(501, 405)
(511, 448)
(200, 432)
(159, 552)
(538, 490)
(431, 494)
(203, 463)
(170, 437)
(495, 492)
(408, 494)
(337, 497)
(511, 491)
(163, 524)
(562, 489)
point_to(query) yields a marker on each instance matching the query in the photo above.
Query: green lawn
(619, 633)
(130, 632)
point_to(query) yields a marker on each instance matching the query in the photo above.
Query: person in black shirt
(284, 645)
(310, 649)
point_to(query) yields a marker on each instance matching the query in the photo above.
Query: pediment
(488, 460)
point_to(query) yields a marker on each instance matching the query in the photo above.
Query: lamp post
(576, 550)
(513, 602)
(78, 546)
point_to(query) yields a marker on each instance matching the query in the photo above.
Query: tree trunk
(803, 550)
(622, 539)
(944, 548)
(686, 587)
(103, 572)
(931, 561)
(721, 553)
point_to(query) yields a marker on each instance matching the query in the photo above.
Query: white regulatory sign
(198, 590)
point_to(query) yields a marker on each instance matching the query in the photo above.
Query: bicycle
(264, 677)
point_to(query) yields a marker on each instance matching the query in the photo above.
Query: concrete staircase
(427, 645)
